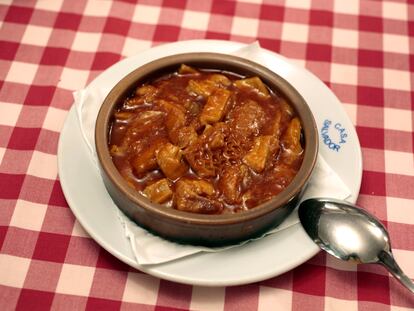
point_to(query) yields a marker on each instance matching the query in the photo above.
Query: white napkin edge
(87, 112)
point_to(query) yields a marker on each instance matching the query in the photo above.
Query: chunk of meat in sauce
(176, 116)
(200, 154)
(214, 136)
(275, 124)
(145, 122)
(124, 116)
(170, 161)
(185, 136)
(146, 159)
(209, 85)
(263, 148)
(159, 192)
(147, 92)
(231, 181)
(272, 183)
(117, 151)
(291, 142)
(216, 106)
(278, 123)
(247, 119)
(143, 95)
(185, 70)
(200, 159)
(219, 80)
(193, 108)
(254, 83)
(196, 196)
(137, 125)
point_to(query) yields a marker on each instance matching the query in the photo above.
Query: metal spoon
(350, 233)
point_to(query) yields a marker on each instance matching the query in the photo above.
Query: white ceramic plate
(259, 260)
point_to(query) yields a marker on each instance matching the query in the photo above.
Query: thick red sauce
(206, 142)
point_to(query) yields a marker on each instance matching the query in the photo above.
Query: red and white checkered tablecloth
(363, 50)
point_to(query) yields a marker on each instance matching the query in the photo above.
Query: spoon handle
(388, 261)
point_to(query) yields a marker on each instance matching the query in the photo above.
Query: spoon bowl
(350, 233)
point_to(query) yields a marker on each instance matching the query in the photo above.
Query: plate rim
(150, 269)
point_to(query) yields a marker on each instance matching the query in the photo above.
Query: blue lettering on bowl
(333, 143)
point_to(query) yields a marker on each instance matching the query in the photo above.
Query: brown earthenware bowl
(185, 227)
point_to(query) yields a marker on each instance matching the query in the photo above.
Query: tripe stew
(206, 142)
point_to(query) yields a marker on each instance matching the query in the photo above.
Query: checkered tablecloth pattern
(363, 50)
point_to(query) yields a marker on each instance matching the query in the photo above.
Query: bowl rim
(271, 79)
